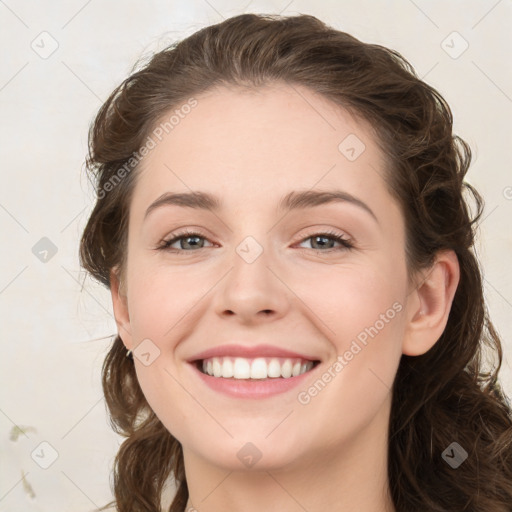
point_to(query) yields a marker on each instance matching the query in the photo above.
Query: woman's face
(259, 277)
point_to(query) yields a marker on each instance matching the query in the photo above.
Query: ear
(120, 305)
(429, 304)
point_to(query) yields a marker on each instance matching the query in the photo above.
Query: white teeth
(217, 368)
(258, 368)
(274, 368)
(227, 368)
(241, 369)
(286, 369)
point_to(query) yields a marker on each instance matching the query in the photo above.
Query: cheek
(160, 296)
(348, 299)
(364, 313)
(361, 310)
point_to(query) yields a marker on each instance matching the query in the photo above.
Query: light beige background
(55, 322)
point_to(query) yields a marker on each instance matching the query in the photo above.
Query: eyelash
(345, 243)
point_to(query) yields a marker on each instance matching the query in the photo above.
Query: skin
(250, 148)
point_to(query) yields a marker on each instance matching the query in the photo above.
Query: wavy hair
(440, 397)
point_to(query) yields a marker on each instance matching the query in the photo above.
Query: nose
(252, 291)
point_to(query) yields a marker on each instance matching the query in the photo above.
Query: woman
(281, 222)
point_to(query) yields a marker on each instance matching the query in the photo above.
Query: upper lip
(251, 351)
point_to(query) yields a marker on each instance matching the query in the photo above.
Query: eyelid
(312, 231)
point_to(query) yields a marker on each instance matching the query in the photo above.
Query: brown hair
(440, 397)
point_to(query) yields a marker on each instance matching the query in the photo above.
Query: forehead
(251, 142)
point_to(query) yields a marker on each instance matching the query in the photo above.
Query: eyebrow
(292, 201)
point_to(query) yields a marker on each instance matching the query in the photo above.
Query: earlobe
(120, 306)
(430, 303)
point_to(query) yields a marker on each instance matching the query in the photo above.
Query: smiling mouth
(259, 368)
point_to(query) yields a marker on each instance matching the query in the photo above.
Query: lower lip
(241, 388)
